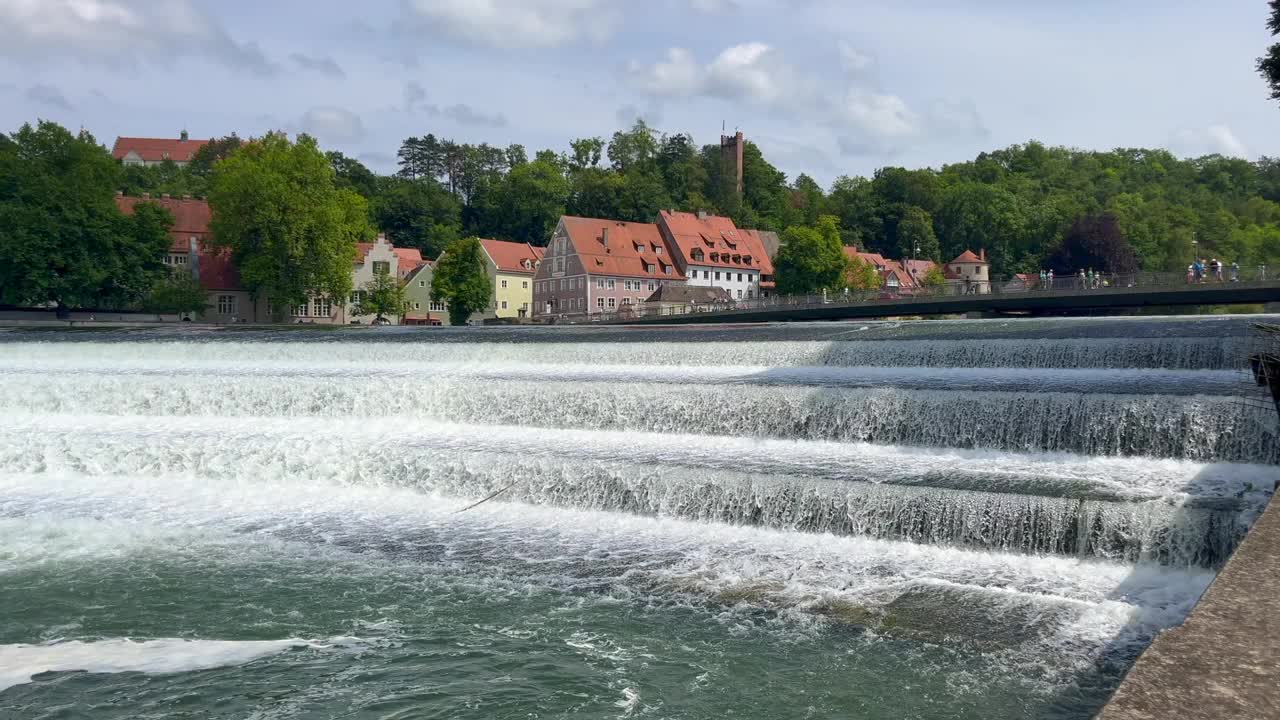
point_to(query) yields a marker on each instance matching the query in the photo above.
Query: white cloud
(864, 121)
(332, 125)
(1212, 140)
(119, 33)
(712, 7)
(49, 96)
(322, 65)
(517, 23)
(751, 72)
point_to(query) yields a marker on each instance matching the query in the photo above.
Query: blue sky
(825, 87)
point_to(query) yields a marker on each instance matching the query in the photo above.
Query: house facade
(969, 273)
(149, 152)
(710, 251)
(593, 265)
(512, 267)
(190, 252)
(422, 310)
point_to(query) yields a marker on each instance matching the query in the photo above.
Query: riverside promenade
(1224, 661)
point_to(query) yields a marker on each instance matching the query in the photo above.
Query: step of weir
(1224, 660)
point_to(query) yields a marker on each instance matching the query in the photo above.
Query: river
(952, 519)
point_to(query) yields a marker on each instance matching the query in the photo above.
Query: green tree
(860, 275)
(933, 278)
(63, 241)
(461, 279)
(291, 231)
(975, 216)
(209, 154)
(915, 235)
(530, 202)
(811, 259)
(1269, 64)
(178, 292)
(417, 213)
(351, 174)
(381, 296)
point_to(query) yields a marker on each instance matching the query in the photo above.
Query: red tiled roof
(919, 268)
(876, 260)
(157, 149)
(621, 256)
(190, 217)
(720, 243)
(894, 269)
(968, 257)
(409, 259)
(511, 256)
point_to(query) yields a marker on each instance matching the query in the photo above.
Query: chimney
(186, 197)
(982, 254)
(702, 214)
(164, 196)
(183, 136)
(604, 237)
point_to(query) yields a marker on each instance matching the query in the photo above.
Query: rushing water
(876, 520)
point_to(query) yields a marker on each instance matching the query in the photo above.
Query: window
(739, 277)
(422, 283)
(739, 293)
(666, 269)
(626, 301)
(717, 274)
(524, 284)
(436, 307)
(320, 307)
(417, 306)
(657, 249)
(611, 283)
(504, 283)
(504, 304)
(564, 284)
(600, 283)
(648, 268)
(612, 303)
(600, 303)
(626, 284)
(180, 259)
(381, 267)
(653, 286)
(706, 274)
(300, 311)
(524, 307)
(226, 304)
(749, 295)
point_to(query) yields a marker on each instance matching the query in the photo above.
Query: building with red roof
(229, 301)
(154, 151)
(596, 265)
(711, 251)
(969, 273)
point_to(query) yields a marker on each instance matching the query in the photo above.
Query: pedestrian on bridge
(1235, 271)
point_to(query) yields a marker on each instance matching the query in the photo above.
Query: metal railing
(1057, 287)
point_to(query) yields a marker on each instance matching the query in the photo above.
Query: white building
(712, 252)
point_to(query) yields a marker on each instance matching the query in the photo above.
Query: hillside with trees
(1019, 203)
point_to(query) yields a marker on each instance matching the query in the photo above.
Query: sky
(824, 87)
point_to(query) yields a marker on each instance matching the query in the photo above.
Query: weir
(1012, 507)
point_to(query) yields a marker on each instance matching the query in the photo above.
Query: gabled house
(711, 251)
(593, 265)
(228, 300)
(154, 151)
(512, 267)
(422, 310)
(969, 273)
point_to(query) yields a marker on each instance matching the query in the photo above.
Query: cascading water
(947, 519)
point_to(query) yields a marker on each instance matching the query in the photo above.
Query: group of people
(1199, 271)
(1084, 280)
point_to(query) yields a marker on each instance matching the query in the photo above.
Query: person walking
(1235, 271)
(1191, 274)
(1217, 270)
(1051, 279)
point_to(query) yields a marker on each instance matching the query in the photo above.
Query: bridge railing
(999, 286)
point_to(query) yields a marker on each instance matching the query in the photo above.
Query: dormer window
(649, 268)
(715, 257)
(657, 249)
(639, 248)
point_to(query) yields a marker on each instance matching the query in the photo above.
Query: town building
(422, 310)
(149, 152)
(710, 251)
(593, 265)
(893, 275)
(191, 252)
(512, 267)
(372, 259)
(675, 299)
(969, 273)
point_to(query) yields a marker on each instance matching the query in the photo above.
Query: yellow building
(511, 269)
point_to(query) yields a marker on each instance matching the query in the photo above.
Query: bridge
(1065, 296)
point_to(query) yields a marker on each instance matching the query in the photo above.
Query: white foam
(19, 664)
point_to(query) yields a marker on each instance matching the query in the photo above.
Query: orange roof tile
(629, 249)
(716, 241)
(968, 257)
(157, 149)
(190, 217)
(511, 256)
